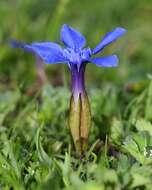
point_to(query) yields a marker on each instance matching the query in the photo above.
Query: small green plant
(76, 58)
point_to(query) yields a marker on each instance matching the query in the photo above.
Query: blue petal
(108, 61)
(17, 44)
(108, 38)
(72, 38)
(50, 52)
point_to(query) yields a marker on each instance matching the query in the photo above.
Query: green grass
(36, 149)
(37, 152)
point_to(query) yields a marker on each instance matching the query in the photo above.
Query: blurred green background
(36, 151)
(37, 20)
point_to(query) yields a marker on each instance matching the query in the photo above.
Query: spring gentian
(76, 57)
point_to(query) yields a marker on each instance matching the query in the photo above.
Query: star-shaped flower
(74, 53)
(76, 56)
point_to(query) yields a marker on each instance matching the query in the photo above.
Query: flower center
(77, 57)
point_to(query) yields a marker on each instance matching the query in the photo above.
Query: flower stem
(40, 70)
(80, 115)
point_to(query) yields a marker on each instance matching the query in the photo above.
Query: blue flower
(74, 53)
(76, 56)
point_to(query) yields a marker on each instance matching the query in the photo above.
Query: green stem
(80, 122)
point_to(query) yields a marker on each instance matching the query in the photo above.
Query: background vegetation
(36, 150)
